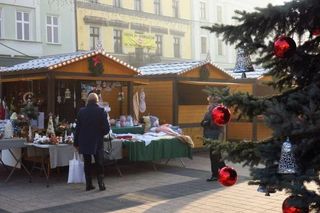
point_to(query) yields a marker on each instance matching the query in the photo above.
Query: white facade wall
(37, 44)
(226, 58)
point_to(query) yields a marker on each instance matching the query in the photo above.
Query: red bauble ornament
(227, 176)
(288, 208)
(315, 32)
(220, 115)
(284, 47)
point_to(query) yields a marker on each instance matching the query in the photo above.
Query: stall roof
(256, 74)
(175, 67)
(54, 61)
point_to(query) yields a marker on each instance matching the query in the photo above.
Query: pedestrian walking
(92, 125)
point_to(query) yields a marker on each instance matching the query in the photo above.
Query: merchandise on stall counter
(67, 139)
(2, 126)
(8, 129)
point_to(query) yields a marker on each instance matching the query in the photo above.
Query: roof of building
(54, 61)
(175, 67)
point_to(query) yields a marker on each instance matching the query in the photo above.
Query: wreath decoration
(204, 73)
(95, 65)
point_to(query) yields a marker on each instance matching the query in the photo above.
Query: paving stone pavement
(141, 189)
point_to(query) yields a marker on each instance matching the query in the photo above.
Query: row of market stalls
(59, 84)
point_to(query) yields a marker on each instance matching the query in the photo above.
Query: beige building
(137, 31)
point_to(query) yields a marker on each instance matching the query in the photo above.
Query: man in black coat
(214, 132)
(92, 125)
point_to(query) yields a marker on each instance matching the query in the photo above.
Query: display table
(157, 150)
(59, 154)
(53, 156)
(128, 129)
(9, 144)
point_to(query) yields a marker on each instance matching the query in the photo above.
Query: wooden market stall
(59, 84)
(174, 94)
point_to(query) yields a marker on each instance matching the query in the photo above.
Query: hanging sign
(137, 40)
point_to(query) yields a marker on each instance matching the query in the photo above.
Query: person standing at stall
(214, 132)
(92, 125)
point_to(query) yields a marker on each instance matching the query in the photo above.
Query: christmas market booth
(175, 94)
(44, 96)
(59, 84)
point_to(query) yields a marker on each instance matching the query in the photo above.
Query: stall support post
(254, 120)
(51, 93)
(175, 97)
(130, 98)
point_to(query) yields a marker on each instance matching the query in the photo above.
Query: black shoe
(212, 179)
(90, 187)
(102, 187)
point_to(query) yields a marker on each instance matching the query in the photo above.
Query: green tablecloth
(128, 129)
(157, 150)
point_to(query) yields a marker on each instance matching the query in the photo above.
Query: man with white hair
(92, 125)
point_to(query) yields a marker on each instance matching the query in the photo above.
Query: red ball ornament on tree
(227, 176)
(316, 31)
(220, 115)
(289, 208)
(284, 47)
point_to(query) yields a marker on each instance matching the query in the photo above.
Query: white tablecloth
(15, 145)
(59, 154)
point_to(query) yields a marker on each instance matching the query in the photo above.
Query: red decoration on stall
(227, 176)
(284, 47)
(96, 60)
(287, 208)
(220, 115)
(95, 65)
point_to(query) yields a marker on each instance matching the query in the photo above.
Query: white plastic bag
(76, 172)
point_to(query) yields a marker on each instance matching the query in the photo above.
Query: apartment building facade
(137, 31)
(209, 12)
(34, 28)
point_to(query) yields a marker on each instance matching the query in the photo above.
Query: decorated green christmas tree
(286, 40)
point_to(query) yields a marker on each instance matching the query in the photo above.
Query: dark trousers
(98, 158)
(216, 162)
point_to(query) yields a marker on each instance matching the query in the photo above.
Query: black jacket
(210, 129)
(92, 125)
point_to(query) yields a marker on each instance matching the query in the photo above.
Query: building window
(117, 3)
(157, 7)
(219, 13)
(117, 38)
(52, 29)
(203, 10)
(204, 45)
(137, 5)
(23, 25)
(175, 8)
(1, 32)
(220, 47)
(159, 45)
(94, 37)
(176, 47)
